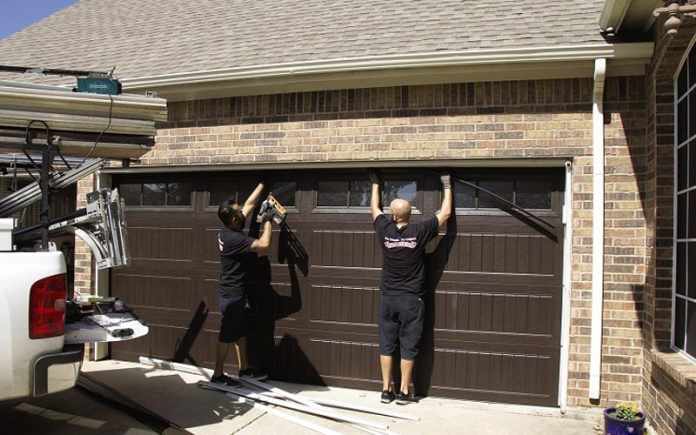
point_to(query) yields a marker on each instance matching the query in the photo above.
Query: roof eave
(399, 68)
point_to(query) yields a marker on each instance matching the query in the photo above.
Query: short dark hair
(230, 213)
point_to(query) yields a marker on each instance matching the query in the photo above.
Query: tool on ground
(272, 209)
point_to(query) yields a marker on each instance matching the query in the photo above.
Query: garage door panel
(158, 218)
(492, 328)
(502, 253)
(328, 304)
(152, 290)
(345, 248)
(341, 359)
(502, 222)
(160, 243)
(494, 312)
(209, 239)
(284, 303)
(493, 374)
(149, 266)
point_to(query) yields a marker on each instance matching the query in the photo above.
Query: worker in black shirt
(237, 256)
(402, 284)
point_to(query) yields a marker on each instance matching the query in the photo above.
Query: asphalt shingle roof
(149, 37)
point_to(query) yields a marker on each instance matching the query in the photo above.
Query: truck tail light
(47, 307)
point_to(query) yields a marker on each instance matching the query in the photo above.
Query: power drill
(271, 209)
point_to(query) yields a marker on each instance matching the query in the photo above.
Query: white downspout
(597, 226)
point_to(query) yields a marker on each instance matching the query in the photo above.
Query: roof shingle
(147, 38)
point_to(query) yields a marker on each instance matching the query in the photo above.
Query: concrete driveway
(176, 397)
(72, 412)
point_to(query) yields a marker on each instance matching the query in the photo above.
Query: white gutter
(567, 275)
(642, 50)
(597, 226)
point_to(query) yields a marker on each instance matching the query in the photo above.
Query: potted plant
(624, 419)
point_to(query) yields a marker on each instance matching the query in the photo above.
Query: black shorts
(234, 318)
(400, 318)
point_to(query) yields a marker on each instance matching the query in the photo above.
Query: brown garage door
(493, 323)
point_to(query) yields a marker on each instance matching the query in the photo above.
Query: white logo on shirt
(409, 242)
(221, 245)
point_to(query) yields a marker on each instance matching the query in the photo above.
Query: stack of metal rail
(31, 193)
(122, 126)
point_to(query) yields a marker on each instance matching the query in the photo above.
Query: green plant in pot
(624, 419)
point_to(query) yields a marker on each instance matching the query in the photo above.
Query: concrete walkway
(176, 397)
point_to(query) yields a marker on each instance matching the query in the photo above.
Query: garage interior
(493, 322)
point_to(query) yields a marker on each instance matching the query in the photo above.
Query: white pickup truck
(35, 359)
(42, 331)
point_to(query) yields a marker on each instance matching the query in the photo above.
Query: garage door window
(404, 189)
(222, 191)
(684, 293)
(504, 188)
(360, 192)
(156, 194)
(332, 193)
(285, 192)
(343, 194)
(527, 193)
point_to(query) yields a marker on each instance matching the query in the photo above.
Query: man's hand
(446, 180)
(374, 177)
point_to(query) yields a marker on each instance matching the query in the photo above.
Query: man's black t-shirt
(235, 260)
(404, 255)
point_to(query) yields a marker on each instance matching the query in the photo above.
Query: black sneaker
(387, 397)
(224, 380)
(252, 373)
(405, 399)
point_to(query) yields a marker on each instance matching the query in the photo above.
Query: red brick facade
(494, 120)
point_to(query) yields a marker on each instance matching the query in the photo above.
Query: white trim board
(564, 362)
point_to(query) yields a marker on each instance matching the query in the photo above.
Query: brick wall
(669, 404)
(522, 119)
(84, 279)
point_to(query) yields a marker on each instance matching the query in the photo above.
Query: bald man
(402, 284)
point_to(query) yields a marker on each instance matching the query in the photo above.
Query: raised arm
(375, 198)
(263, 243)
(446, 208)
(252, 200)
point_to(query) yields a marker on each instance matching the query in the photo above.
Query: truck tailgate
(106, 327)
